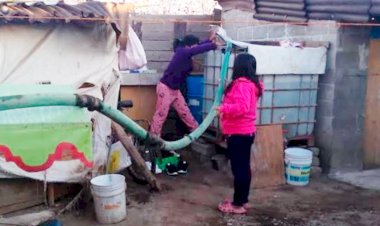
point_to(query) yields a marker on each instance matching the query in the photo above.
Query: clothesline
(168, 20)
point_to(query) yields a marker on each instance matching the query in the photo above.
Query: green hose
(92, 103)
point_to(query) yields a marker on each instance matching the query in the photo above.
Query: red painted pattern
(56, 156)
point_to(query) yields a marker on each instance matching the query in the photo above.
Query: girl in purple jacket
(238, 117)
(168, 93)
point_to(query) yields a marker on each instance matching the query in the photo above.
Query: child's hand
(212, 36)
(217, 111)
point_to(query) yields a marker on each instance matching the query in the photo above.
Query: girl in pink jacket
(238, 117)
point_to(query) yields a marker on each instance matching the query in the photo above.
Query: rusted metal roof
(42, 13)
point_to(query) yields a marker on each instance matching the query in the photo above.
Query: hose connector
(90, 102)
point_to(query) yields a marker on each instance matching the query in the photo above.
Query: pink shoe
(247, 206)
(227, 207)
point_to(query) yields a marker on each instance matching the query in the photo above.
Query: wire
(167, 20)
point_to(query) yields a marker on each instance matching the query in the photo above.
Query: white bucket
(298, 164)
(109, 198)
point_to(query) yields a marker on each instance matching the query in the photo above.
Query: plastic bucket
(298, 164)
(109, 198)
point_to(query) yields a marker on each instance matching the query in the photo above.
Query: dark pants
(239, 153)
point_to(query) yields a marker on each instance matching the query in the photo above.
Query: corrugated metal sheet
(42, 13)
(356, 11)
(281, 10)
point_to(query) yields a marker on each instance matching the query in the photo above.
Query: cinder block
(276, 31)
(245, 33)
(316, 161)
(327, 28)
(347, 60)
(259, 32)
(315, 151)
(351, 43)
(315, 172)
(324, 125)
(325, 108)
(326, 92)
(295, 30)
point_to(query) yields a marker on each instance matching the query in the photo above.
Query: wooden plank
(159, 56)
(158, 36)
(373, 58)
(196, 27)
(179, 29)
(267, 161)
(17, 194)
(372, 109)
(158, 45)
(157, 26)
(20, 206)
(135, 155)
(159, 66)
(28, 219)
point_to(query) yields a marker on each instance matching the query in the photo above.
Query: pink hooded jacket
(239, 107)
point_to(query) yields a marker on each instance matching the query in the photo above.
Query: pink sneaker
(246, 205)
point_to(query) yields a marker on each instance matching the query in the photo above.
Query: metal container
(290, 100)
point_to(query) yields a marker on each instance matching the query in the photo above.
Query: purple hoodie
(181, 64)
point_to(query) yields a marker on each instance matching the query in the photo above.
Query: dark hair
(188, 40)
(245, 66)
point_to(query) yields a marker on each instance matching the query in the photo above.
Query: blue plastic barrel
(195, 95)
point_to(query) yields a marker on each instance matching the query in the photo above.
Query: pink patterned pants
(167, 97)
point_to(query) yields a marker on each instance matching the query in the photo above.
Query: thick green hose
(42, 100)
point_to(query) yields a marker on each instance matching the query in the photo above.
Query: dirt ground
(192, 199)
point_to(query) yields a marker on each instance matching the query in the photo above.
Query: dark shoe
(182, 167)
(171, 170)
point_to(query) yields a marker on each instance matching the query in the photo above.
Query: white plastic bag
(133, 57)
(119, 158)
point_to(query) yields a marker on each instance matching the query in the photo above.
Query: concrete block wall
(342, 88)
(346, 150)
(158, 32)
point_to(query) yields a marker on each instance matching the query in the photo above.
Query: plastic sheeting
(282, 60)
(289, 60)
(84, 58)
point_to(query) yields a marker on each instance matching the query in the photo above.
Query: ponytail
(188, 40)
(177, 43)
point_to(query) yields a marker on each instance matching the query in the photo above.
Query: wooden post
(217, 17)
(180, 29)
(135, 155)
